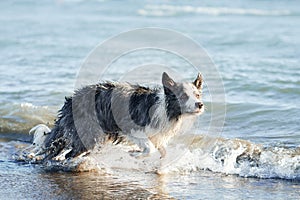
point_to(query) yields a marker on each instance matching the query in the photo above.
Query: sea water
(255, 47)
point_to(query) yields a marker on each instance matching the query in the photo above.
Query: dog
(121, 111)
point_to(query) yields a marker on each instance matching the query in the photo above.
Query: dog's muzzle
(199, 105)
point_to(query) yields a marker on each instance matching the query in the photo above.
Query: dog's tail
(35, 151)
(40, 133)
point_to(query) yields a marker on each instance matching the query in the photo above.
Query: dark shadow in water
(94, 185)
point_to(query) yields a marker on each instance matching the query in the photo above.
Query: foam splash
(242, 158)
(170, 10)
(185, 154)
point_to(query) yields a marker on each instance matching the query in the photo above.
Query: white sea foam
(190, 153)
(242, 158)
(170, 10)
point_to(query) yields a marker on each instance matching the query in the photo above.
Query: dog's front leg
(146, 146)
(162, 152)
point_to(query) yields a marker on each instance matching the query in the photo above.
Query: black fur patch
(140, 103)
(104, 110)
(172, 103)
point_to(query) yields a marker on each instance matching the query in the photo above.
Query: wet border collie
(147, 117)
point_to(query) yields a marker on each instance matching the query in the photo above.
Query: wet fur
(154, 117)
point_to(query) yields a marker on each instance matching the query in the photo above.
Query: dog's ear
(198, 82)
(167, 81)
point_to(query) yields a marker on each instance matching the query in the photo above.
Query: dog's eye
(197, 96)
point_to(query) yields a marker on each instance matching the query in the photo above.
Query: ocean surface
(255, 46)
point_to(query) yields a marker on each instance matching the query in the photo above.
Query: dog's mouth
(196, 112)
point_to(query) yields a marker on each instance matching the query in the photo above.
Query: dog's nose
(199, 105)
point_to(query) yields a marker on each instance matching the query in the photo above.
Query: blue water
(254, 44)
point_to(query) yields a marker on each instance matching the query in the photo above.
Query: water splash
(240, 157)
(228, 156)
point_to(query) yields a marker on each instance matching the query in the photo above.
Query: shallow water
(33, 181)
(254, 44)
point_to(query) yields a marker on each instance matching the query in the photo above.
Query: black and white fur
(152, 118)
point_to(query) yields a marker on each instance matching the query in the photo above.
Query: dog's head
(183, 96)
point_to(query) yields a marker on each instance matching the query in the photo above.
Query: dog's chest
(162, 137)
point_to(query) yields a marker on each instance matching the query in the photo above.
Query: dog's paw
(135, 153)
(139, 155)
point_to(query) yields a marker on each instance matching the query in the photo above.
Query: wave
(21, 117)
(186, 154)
(170, 10)
(241, 157)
